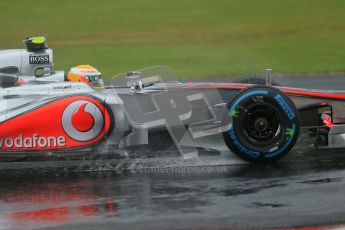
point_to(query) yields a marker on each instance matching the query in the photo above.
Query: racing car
(41, 113)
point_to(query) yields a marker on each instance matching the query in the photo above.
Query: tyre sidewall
(241, 143)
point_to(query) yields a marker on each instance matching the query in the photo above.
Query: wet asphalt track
(162, 191)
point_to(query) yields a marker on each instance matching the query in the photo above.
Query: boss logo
(41, 59)
(82, 120)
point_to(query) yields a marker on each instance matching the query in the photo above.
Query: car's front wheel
(265, 124)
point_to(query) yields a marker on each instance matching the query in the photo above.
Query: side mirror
(7, 81)
(43, 71)
(13, 70)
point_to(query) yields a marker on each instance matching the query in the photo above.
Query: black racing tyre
(256, 80)
(265, 124)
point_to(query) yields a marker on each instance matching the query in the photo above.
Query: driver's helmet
(87, 74)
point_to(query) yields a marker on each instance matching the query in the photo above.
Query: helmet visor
(96, 80)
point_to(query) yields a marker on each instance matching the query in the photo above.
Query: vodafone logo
(82, 120)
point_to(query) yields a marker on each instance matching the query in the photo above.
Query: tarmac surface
(145, 190)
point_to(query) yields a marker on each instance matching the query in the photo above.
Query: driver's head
(87, 74)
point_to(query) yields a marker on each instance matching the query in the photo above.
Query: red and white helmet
(87, 74)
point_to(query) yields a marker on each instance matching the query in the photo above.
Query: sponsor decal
(89, 71)
(86, 71)
(69, 122)
(254, 154)
(33, 141)
(39, 59)
(82, 120)
(62, 87)
(289, 113)
(290, 136)
(258, 99)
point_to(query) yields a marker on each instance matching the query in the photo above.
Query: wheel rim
(261, 124)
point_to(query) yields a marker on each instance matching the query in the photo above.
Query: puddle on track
(143, 190)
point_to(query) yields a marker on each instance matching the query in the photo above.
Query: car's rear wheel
(265, 124)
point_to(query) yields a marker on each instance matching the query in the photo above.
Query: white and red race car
(42, 114)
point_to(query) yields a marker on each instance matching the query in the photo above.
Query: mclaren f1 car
(43, 114)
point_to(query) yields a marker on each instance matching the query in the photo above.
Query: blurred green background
(197, 38)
